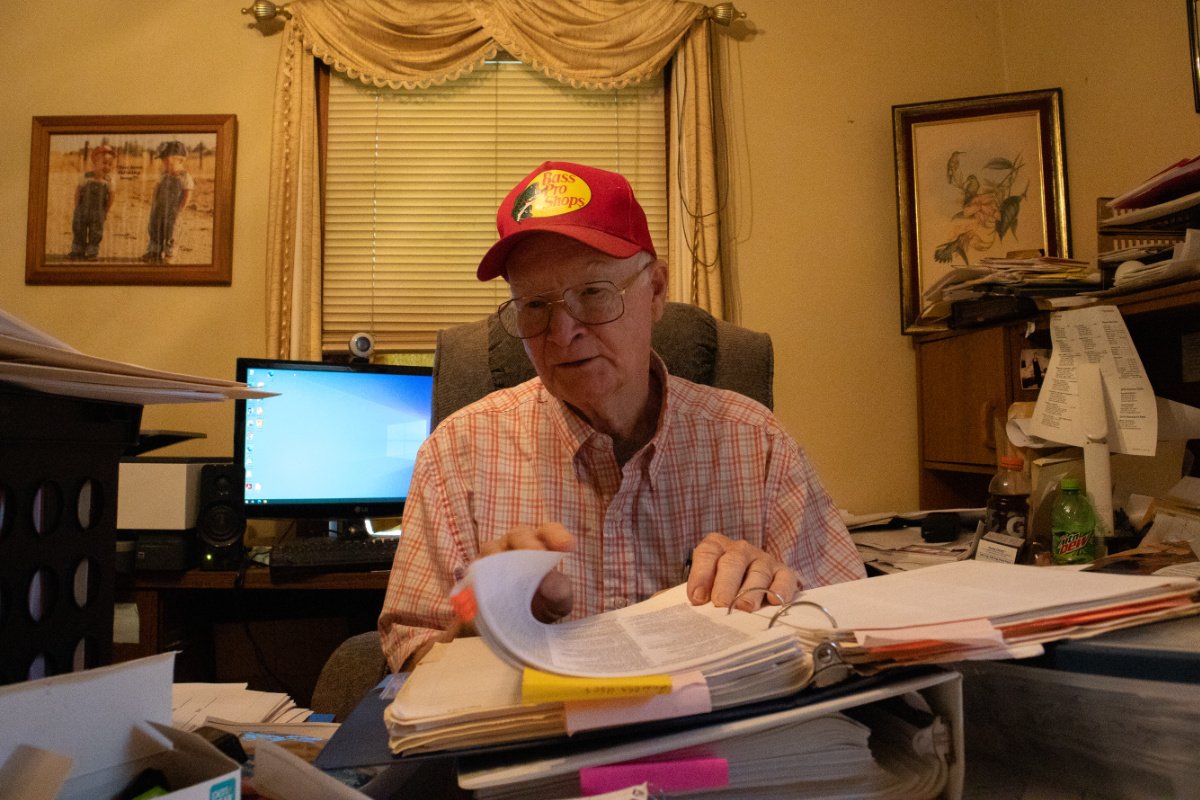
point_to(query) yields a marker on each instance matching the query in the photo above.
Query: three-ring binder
(829, 667)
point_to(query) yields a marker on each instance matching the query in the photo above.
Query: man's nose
(562, 327)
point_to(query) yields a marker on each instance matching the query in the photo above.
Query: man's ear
(659, 283)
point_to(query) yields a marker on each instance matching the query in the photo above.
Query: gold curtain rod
(264, 11)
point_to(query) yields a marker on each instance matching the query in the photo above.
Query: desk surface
(256, 577)
(1168, 650)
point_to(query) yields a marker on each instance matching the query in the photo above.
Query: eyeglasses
(592, 303)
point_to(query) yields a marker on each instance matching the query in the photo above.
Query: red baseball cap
(592, 206)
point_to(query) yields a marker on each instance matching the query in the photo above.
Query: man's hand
(723, 568)
(553, 600)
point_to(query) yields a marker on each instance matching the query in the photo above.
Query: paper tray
(362, 740)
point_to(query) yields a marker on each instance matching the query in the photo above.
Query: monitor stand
(334, 528)
(355, 528)
(350, 528)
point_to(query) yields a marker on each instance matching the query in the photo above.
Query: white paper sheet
(1096, 335)
(664, 634)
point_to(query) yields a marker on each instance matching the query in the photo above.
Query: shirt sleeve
(417, 606)
(803, 528)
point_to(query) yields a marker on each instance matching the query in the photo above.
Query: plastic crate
(58, 511)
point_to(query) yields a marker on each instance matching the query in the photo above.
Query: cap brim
(493, 263)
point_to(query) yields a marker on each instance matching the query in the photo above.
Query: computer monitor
(337, 443)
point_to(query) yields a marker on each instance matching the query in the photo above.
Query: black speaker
(220, 522)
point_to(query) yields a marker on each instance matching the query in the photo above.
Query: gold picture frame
(131, 200)
(976, 177)
(1193, 15)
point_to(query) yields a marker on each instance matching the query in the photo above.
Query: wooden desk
(273, 636)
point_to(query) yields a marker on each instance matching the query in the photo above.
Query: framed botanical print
(976, 177)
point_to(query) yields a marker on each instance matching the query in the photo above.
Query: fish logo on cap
(551, 193)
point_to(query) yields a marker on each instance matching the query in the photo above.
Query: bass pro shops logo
(551, 193)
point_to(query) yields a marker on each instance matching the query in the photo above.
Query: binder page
(969, 590)
(1096, 335)
(664, 634)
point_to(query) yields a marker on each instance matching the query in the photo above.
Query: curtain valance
(599, 44)
(411, 44)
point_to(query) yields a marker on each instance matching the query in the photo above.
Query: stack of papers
(1016, 275)
(35, 360)
(194, 705)
(1027, 277)
(1183, 264)
(461, 696)
(903, 548)
(864, 752)
(1180, 179)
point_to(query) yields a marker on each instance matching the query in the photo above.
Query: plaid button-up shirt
(719, 462)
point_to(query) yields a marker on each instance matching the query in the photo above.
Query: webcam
(362, 345)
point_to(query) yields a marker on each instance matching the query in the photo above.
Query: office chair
(477, 358)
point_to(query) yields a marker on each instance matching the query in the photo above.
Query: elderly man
(635, 474)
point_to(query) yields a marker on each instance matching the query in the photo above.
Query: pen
(687, 568)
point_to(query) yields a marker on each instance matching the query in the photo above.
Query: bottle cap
(1069, 483)
(1012, 462)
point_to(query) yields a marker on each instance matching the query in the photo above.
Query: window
(413, 179)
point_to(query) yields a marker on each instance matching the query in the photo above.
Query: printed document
(1096, 335)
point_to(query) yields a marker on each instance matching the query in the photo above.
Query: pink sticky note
(688, 774)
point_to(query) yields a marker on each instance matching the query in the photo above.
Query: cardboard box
(92, 732)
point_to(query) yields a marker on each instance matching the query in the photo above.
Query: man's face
(600, 370)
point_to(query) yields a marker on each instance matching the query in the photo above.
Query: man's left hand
(722, 568)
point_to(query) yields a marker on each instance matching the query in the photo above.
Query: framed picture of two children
(131, 200)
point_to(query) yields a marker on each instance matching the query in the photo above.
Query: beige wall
(77, 57)
(811, 85)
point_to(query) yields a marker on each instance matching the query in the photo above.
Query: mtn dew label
(1073, 547)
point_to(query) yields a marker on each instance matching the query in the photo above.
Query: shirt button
(620, 602)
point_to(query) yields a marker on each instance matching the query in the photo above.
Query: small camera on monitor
(362, 345)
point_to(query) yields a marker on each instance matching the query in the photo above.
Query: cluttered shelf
(966, 378)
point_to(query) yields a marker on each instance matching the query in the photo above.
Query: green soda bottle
(1072, 526)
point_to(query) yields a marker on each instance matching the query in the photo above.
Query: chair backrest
(475, 359)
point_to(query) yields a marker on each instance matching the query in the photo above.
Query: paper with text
(664, 634)
(1096, 335)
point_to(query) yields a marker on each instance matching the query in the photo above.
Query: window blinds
(413, 180)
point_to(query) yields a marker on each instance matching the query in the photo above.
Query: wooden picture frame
(976, 177)
(1193, 17)
(131, 200)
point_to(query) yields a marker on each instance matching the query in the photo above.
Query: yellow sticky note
(544, 687)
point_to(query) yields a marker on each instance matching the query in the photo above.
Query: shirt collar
(577, 434)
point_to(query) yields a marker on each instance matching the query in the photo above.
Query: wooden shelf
(966, 376)
(256, 578)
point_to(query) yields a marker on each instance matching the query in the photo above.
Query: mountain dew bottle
(1072, 526)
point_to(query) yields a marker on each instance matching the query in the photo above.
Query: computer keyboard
(299, 558)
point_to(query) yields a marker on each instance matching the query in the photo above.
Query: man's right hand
(553, 600)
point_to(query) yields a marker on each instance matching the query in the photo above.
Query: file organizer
(58, 512)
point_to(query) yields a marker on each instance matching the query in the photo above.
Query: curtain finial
(266, 11)
(721, 13)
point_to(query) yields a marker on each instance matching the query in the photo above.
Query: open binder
(470, 693)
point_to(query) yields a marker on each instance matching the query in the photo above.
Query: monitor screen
(338, 442)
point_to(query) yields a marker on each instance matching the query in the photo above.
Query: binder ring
(784, 605)
(784, 609)
(776, 595)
